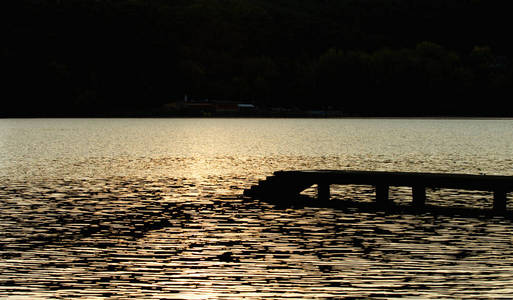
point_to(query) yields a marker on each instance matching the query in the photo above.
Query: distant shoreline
(253, 116)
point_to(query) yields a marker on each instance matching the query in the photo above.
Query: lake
(152, 208)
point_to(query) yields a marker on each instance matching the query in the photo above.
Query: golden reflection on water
(161, 223)
(182, 238)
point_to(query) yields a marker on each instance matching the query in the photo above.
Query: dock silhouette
(285, 186)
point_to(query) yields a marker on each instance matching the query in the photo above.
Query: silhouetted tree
(82, 57)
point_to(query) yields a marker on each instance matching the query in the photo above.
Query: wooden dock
(287, 185)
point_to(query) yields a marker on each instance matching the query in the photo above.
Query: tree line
(363, 57)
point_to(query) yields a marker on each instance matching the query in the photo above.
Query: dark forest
(361, 57)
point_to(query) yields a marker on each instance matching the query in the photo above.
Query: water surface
(152, 208)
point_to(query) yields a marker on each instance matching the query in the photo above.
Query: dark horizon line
(254, 116)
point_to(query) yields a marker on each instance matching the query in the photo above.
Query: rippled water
(152, 208)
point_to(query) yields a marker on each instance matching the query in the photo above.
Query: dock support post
(382, 194)
(499, 200)
(419, 196)
(323, 192)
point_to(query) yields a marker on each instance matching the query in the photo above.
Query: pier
(287, 185)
